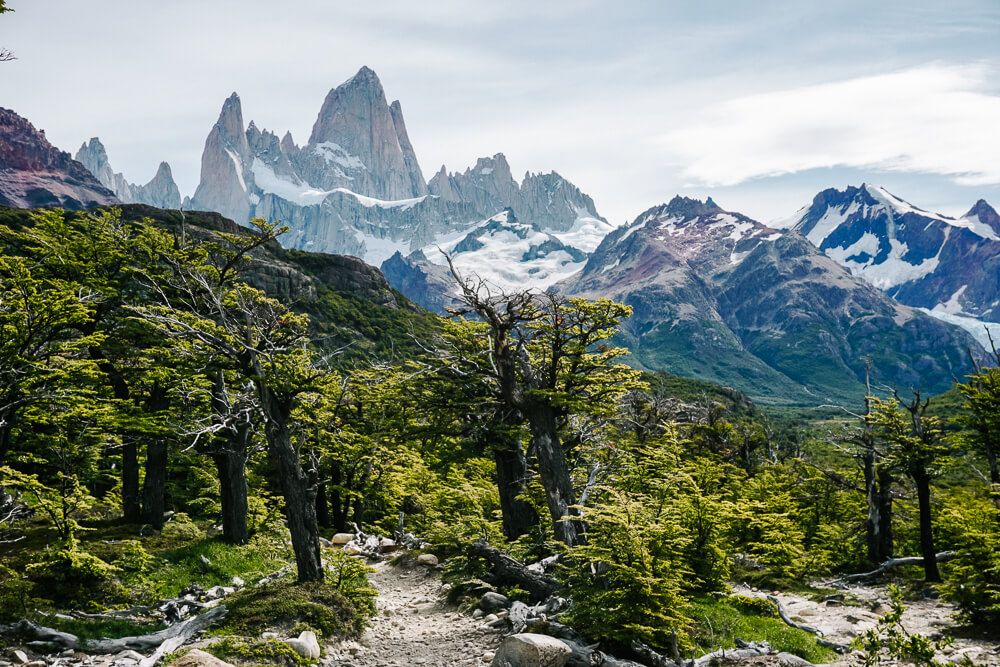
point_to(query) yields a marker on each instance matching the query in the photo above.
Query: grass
(718, 622)
(110, 628)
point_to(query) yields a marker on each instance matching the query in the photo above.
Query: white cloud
(933, 119)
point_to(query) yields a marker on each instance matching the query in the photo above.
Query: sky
(759, 104)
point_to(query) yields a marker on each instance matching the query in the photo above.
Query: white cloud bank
(929, 119)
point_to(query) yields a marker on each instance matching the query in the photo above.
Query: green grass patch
(101, 628)
(718, 622)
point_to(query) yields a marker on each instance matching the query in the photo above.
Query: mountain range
(791, 312)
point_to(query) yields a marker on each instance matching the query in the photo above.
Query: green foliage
(349, 576)
(180, 527)
(15, 594)
(265, 651)
(889, 641)
(102, 628)
(72, 575)
(627, 581)
(283, 604)
(973, 582)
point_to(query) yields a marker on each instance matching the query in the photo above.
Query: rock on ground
(198, 658)
(531, 650)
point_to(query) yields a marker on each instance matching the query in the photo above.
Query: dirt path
(842, 622)
(414, 626)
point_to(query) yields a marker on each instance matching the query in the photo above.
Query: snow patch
(975, 327)
(586, 233)
(305, 195)
(334, 153)
(892, 271)
(238, 168)
(833, 218)
(952, 306)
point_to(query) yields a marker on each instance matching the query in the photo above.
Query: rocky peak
(686, 208)
(94, 157)
(33, 172)
(288, 146)
(225, 166)
(162, 191)
(359, 143)
(986, 214)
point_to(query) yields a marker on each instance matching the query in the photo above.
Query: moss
(285, 604)
(265, 652)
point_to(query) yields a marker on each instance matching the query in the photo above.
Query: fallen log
(171, 637)
(507, 571)
(942, 557)
(839, 648)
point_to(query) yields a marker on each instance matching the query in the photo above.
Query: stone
(531, 650)
(35, 663)
(130, 655)
(488, 656)
(238, 581)
(305, 645)
(477, 614)
(198, 658)
(20, 657)
(325, 543)
(491, 602)
(792, 660)
(342, 538)
(429, 560)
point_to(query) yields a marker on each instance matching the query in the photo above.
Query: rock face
(35, 173)
(161, 192)
(356, 188)
(950, 266)
(721, 297)
(225, 166)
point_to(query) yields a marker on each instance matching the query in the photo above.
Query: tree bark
(300, 500)
(154, 485)
(130, 480)
(512, 469)
(230, 462)
(886, 546)
(507, 571)
(231, 467)
(555, 475)
(322, 505)
(923, 483)
(872, 524)
(339, 506)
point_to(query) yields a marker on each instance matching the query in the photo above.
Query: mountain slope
(724, 298)
(33, 172)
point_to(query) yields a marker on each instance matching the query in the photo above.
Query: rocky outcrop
(427, 284)
(225, 166)
(721, 297)
(35, 173)
(161, 192)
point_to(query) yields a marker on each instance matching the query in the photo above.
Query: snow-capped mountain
(356, 188)
(501, 250)
(949, 266)
(719, 296)
(161, 191)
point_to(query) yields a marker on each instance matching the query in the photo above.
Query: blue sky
(758, 104)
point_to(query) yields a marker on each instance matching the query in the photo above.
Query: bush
(284, 604)
(181, 528)
(974, 576)
(74, 575)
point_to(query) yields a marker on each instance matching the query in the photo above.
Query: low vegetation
(164, 424)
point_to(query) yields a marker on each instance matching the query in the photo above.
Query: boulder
(305, 645)
(792, 660)
(198, 658)
(531, 650)
(342, 538)
(429, 560)
(491, 602)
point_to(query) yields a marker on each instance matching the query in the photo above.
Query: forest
(183, 402)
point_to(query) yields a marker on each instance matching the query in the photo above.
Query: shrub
(284, 604)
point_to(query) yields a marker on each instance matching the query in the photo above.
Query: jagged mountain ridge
(161, 191)
(721, 297)
(356, 186)
(949, 266)
(33, 172)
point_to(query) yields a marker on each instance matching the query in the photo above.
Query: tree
(916, 447)
(234, 326)
(982, 417)
(544, 355)
(5, 54)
